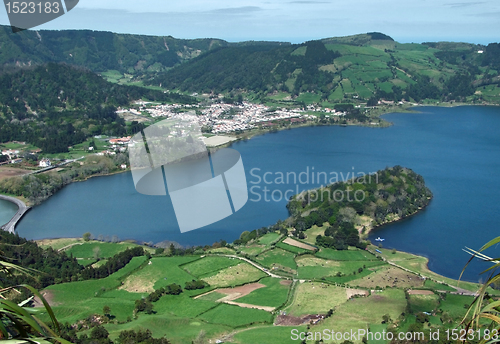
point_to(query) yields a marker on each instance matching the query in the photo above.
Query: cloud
(464, 4)
(486, 14)
(237, 10)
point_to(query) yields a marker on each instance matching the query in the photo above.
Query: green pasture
(206, 266)
(268, 335)
(235, 316)
(269, 238)
(97, 249)
(274, 294)
(277, 257)
(347, 255)
(423, 303)
(291, 248)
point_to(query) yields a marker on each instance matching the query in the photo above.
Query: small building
(91, 148)
(45, 163)
(123, 166)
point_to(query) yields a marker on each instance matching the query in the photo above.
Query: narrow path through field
(261, 268)
(247, 305)
(70, 245)
(229, 336)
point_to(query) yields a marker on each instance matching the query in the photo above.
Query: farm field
(315, 297)
(234, 276)
(352, 288)
(277, 258)
(97, 249)
(207, 265)
(274, 294)
(269, 238)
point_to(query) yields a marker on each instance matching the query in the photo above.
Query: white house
(45, 163)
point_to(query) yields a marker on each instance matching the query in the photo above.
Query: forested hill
(101, 51)
(348, 208)
(366, 67)
(55, 105)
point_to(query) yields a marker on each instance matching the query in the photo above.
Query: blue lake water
(7, 211)
(456, 150)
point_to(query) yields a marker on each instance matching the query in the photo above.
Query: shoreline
(394, 110)
(22, 209)
(416, 212)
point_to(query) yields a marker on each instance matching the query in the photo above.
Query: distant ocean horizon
(456, 150)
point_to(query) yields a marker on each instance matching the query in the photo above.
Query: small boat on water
(379, 239)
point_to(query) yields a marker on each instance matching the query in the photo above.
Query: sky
(293, 21)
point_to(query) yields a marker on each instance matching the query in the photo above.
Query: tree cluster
(196, 284)
(171, 289)
(393, 192)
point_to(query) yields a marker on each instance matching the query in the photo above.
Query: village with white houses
(217, 118)
(221, 118)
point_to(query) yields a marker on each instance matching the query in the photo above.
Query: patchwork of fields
(345, 290)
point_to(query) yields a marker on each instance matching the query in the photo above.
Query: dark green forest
(51, 266)
(56, 105)
(392, 193)
(98, 50)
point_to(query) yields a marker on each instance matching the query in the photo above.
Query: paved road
(55, 166)
(22, 209)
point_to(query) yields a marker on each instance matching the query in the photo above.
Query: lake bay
(456, 150)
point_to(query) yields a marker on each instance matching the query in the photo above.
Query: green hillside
(99, 50)
(57, 105)
(355, 68)
(102, 51)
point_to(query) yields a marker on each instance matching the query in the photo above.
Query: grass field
(423, 303)
(57, 244)
(359, 313)
(234, 275)
(178, 330)
(269, 238)
(78, 300)
(158, 273)
(437, 286)
(456, 305)
(182, 305)
(183, 318)
(418, 264)
(377, 328)
(308, 98)
(316, 297)
(97, 249)
(222, 250)
(277, 258)
(273, 295)
(388, 276)
(291, 248)
(310, 267)
(235, 316)
(354, 254)
(206, 266)
(253, 249)
(268, 335)
(312, 233)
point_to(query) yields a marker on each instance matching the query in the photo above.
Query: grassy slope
(182, 317)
